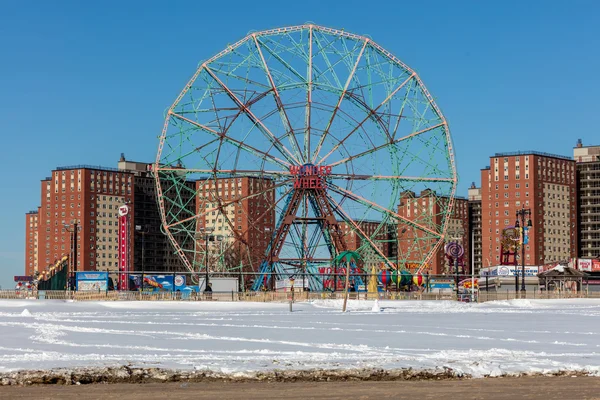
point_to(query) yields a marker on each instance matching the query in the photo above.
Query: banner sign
(509, 270)
(595, 265)
(442, 283)
(96, 281)
(152, 283)
(23, 278)
(584, 265)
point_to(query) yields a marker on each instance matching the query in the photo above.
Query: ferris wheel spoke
(235, 142)
(255, 120)
(339, 102)
(284, 117)
(383, 146)
(227, 203)
(360, 177)
(309, 88)
(233, 173)
(343, 140)
(359, 199)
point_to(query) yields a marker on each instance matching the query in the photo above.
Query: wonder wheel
(295, 144)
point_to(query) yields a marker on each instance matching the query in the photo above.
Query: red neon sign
(310, 176)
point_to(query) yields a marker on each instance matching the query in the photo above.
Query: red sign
(310, 176)
(584, 265)
(412, 267)
(327, 273)
(596, 265)
(123, 247)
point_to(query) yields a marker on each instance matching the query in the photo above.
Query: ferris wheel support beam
(324, 218)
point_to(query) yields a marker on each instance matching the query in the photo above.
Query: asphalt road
(546, 388)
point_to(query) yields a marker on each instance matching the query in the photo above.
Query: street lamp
(206, 237)
(74, 229)
(142, 230)
(525, 215)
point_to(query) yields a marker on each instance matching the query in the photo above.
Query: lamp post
(472, 244)
(73, 229)
(206, 236)
(524, 214)
(143, 230)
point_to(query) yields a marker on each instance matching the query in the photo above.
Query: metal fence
(330, 286)
(300, 296)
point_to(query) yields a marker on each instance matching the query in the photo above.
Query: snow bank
(255, 339)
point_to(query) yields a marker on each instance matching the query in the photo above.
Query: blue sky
(81, 82)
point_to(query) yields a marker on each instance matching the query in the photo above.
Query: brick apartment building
(91, 197)
(475, 226)
(544, 183)
(31, 242)
(588, 189)
(88, 196)
(244, 217)
(426, 210)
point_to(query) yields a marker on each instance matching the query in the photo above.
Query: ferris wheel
(295, 144)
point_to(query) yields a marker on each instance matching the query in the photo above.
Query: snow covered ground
(513, 337)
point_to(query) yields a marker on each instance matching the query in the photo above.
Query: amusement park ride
(336, 126)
